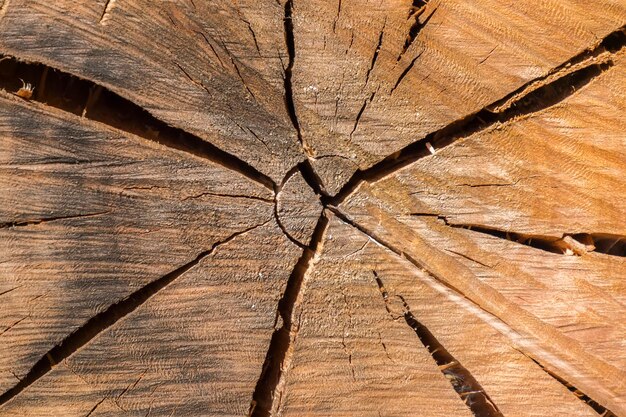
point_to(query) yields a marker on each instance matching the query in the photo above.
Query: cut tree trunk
(313, 208)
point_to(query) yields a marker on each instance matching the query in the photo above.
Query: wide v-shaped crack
(463, 382)
(95, 102)
(534, 96)
(570, 243)
(291, 51)
(308, 171)
(485, 311)
(267, 395)
(107, 318)
(417, 10)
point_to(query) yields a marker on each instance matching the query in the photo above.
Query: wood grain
(356, 355)
(215, 349)
(542, 295)
(289, 208)
(92, 215)
(465, 56)
(213, 69)
(298, 208)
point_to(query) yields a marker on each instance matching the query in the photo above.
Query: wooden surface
(356, 355)
(323, 208)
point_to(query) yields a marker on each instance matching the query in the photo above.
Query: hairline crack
(589, 64)
(107, 318)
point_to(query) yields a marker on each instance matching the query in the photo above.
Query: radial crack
(249, 25)
(405, 72)
(106, 11)
(107, 318)
(291, 51)
(245, 85)
(13, 325)
(119, 113)
(20, 223)
(481, 299)
(311, 177)
(360, 113)
(9, 290)
(568, 244)
(93, 409)
(337, 16)
(289, 96)
(463, 382)
(563, 82)
(376, 52)
(208, 42)
(417, 10)
(611, 44)
(247, 197)
(602, 411)
(267, 395)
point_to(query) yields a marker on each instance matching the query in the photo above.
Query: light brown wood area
(313, 208)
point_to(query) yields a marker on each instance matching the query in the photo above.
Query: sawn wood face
(324, 208)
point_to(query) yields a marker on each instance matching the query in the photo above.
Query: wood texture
(213, 345)
(297, 208)
(526, 287)
(93, 215)
(202, 68)
(464, 56)
(289, 208)
(356, 355)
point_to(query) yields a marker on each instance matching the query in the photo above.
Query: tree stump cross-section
(323, 208)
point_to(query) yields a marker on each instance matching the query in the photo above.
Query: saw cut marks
(325, 208)
(355, 353)
(84, 98)
(554, 174)
(357, 103)
(535, 314)
(158, 360)
(339, 365)
(462, 380)
(577, 295)
(94, 215)
(212, 69)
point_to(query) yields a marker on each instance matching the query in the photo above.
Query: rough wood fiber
(93, 215)
(461, 56)
(558, 171)
(290, 208)
(542, 339)
(298, 208)
(213, 345)
(354, 347)
(199, 65)
(558, 297)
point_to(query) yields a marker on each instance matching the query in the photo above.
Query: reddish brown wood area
(312, 208)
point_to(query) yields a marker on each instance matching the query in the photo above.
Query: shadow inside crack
(66, 92)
